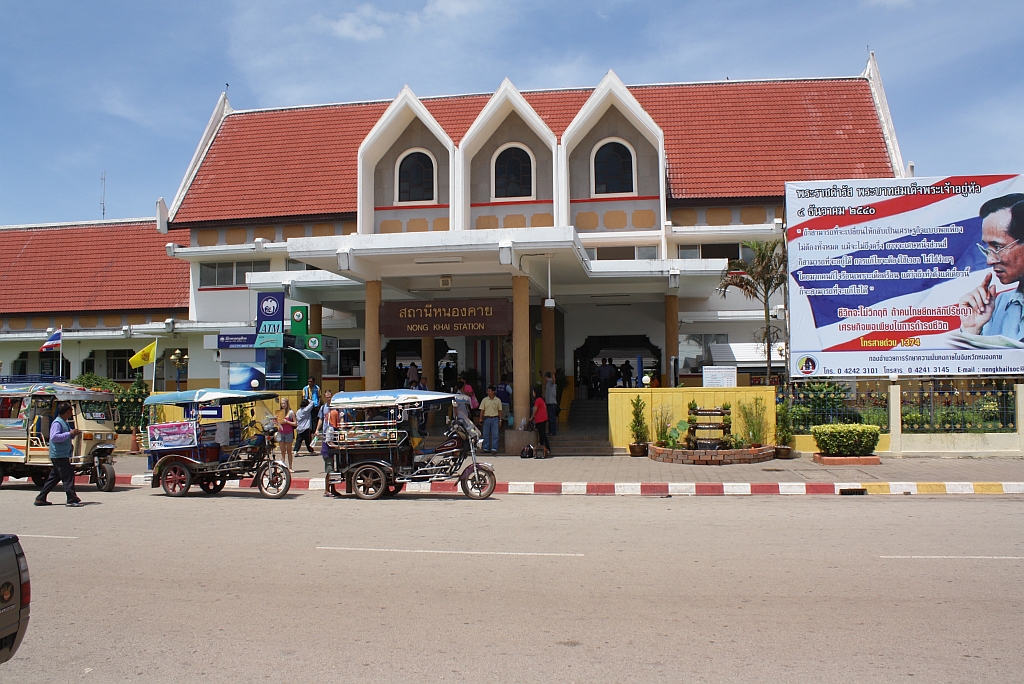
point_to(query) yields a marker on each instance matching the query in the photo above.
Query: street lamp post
(180, 363)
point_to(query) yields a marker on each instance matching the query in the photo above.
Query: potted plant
(755, 421)
(676, 437)
(662, 422)
(638, 428)
(692, 407)
(783, 431)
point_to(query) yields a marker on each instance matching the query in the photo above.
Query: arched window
(613, 168)
(513, 172)
(416, 177)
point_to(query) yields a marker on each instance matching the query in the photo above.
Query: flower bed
(711, 456)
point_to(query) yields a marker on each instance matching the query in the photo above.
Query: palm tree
(759, 278)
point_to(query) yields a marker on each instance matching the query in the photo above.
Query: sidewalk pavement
(626, 469)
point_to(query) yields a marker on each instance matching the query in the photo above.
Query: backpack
(527, 452)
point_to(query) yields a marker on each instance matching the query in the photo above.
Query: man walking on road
(61, 448)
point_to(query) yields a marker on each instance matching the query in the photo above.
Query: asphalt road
(525, 589)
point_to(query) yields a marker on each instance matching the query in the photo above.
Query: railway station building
(513, 232)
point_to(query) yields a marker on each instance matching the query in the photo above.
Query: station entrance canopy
(479, 265)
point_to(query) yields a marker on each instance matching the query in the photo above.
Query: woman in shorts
(286, 428)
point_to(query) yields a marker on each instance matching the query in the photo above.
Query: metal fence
(131, 412)
(985, 409)
(823, 403)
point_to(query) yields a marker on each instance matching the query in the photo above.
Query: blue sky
(127, 87)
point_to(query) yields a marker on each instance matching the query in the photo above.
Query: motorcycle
(377, 456)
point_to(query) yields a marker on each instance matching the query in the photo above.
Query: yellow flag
(147, 355)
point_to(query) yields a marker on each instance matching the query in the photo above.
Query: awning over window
(308, 354)
(746, 354)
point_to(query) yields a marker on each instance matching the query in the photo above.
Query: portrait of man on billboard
(1002, 234)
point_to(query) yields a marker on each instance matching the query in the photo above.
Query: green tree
(758, 278)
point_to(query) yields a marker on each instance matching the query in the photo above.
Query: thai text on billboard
(912, 276)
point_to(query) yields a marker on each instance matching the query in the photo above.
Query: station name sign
(446, 317)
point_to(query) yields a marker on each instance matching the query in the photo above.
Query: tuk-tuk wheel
(368, 482)
(479, 484)
(213, 486)
(176, 480)
(105, 479)
(38, 479)
(394, 488)
(274, 480)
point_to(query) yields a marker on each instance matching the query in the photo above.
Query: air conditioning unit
(446, 281)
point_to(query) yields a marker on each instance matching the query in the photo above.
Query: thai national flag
(52, 342)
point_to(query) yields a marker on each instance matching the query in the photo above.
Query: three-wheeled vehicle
(218, 439)
(26, 412)
(377, 450)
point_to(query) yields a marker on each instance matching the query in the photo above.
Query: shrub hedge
(846, 440)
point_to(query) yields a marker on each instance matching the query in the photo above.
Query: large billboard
(913, 276)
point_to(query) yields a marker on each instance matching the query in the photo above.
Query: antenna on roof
(103, 195)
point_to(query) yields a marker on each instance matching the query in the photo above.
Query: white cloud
(365, 23)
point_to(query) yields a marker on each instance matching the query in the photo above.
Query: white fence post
(1018, 394)
(896, 419)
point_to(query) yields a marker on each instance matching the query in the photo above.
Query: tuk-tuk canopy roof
(208, 396)
(63, 391)
(396, 397)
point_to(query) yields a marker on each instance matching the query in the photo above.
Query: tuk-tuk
(27, 409)
(218, 439)
(378, 447)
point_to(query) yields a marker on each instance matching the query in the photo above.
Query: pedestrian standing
(412, 378)
(539, 417)
(61, 450)
(320, 419)
(304, 426)
(286, 423)
(490, 409)
(627, 373)
(504, 394)
(462, 402)
(311, 393)
(551, 399)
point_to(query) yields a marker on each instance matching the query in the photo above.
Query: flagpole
(60, 356)
(156, 344)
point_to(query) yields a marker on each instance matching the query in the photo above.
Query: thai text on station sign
(446, 317)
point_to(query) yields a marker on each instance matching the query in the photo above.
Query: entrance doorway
(623, 350)
(398, 354)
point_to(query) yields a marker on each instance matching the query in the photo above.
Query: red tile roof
(286, 162)
(723, 140)
(455, 114)
(747, 139)
(95, 267)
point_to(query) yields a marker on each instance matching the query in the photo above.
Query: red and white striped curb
(647, 488)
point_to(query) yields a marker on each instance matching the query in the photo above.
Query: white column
(896, 419)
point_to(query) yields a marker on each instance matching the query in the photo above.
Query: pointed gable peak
(400, 113)
(612, 91)
(505, 100)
